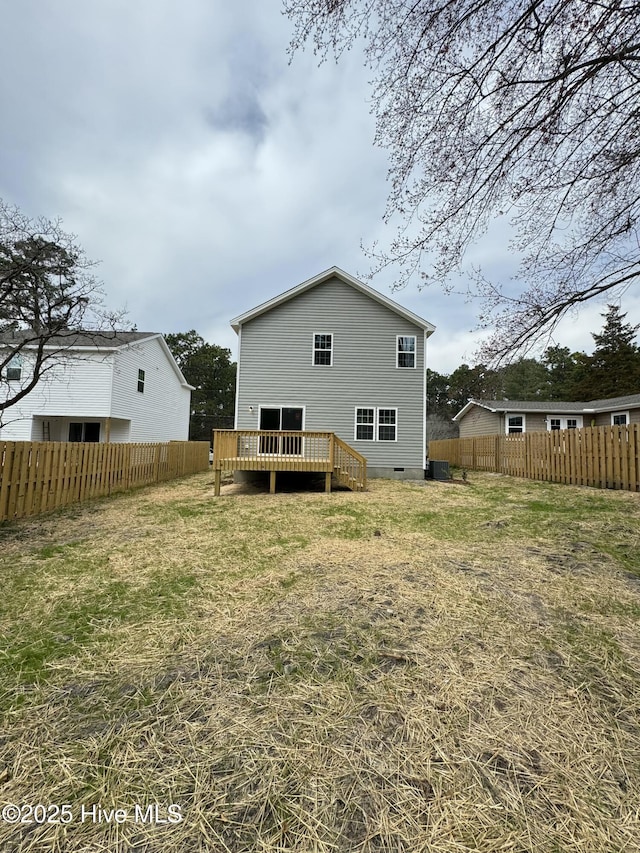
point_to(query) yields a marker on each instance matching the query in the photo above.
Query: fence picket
(604, 457)
(40, 476)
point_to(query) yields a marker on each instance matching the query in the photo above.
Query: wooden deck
(288, 450)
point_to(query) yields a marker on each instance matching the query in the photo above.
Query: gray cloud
(205, 172)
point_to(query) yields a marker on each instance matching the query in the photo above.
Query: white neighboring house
(109, 386)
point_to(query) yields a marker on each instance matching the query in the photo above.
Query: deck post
(327, 482)
(217, 478)
(272, 482)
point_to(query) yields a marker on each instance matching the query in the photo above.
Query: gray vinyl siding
(479, 421)
(604, 418)
(536, 421)
(276, 369)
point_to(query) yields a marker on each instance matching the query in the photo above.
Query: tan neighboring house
(504, 417)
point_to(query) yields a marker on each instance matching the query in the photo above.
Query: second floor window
(141, 381)
(406, 351)
(13, 370)
(323, 350)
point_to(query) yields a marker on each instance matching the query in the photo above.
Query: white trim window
(556, 422)
(365, 424)
(376, 424)
(323, 349)
(13, 370)
(406, 351)
(141, 375)
(515, 423)
(619, 418)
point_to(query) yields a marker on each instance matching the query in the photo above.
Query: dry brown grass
(421, 667)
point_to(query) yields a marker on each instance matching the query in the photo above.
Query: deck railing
(288, 450)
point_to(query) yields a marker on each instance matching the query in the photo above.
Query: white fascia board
(463, 411)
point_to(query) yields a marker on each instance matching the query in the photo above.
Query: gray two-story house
(332, 354)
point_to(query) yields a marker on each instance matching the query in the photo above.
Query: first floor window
(514, 424)
(406, 351)
(620, 419)
(141, 381)
(323, 350)
(560, 422)
(84, 431)
(373, 424)
(365, 419)
(386, 424)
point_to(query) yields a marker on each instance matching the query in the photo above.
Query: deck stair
(288, 450)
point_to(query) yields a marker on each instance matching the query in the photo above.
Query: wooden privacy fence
(604, 457)
(37, 476)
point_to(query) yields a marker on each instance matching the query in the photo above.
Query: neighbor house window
(376, 424)
(141, 381)
(619, 418)
(514, 424)
(406, 350)
(323, 350)
(14, 369)
(84, 431)
(561, 422)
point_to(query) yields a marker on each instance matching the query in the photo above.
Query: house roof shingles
(554, 406)
(81, 338)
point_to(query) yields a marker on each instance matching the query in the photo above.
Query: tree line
(209, 369)
(612, 370)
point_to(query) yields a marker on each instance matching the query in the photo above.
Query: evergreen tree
(438, 402)
(210, 370)
(525, 379)
(480, 383)
(614, 367)
(566, 372)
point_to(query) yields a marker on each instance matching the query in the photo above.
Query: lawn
(419, 667)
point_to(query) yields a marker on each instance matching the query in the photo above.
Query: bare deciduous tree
(48, 292)
(528, 110)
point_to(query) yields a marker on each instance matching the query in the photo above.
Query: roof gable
(333, 272)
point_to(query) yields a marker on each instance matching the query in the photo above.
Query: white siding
(161, 412)
(275, 369)
(95, 386)
(78, 387)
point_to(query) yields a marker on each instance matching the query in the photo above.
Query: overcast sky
(203, 171)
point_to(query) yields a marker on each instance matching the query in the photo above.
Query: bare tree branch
(486, 108)
(48, 293)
